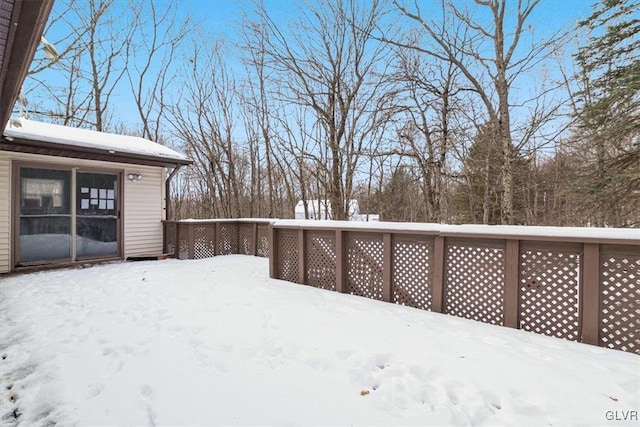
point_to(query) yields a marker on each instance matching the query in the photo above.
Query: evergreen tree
(480, 201)
(400, 199)
(609, 111)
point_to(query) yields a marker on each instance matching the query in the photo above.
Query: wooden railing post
(511, 284)
(387, 267)
(164, 237)
(191, 244)
(590, 307)
(301, 257)
(216, 237)
(236, 239)
(176, 254)
(254, 239)
(273, 252)
(437, 278)
(341, 283)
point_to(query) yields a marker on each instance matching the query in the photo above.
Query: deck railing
(577, 284)
(193, 239)
(581, 284)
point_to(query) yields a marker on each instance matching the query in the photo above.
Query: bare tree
(93, 57)
(328, 66)
(490, 55)
(159, 35)
(430, 93)
(257, 100)
(204, 119)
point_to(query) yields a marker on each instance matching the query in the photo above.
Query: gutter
(167, 191)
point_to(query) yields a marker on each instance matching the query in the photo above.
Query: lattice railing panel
(412, 273)
(204, 243)
(549, 292)
(263, 241)
(620, 302)
(364, 265)
(321, 259)
(228, 239)
(245, 239)
(474, 282)
(170, 238)
(288, 256)
(183, 241)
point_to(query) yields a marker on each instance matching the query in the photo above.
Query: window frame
(15, 211)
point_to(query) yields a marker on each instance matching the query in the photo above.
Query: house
(321, 210)
(316, 209)
(72, 195)
(367, 218)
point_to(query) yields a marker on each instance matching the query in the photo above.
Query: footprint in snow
(492, 400)
(146, 391)
(94, 390)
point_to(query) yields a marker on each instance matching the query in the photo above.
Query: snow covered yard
(215, 341)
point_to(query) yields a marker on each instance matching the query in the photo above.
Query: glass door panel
(45, 215)
(96, 215)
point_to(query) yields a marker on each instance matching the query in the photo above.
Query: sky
(222, 20)
(223, 17)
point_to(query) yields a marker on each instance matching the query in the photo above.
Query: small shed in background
(321, 210)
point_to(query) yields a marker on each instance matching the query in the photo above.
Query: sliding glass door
(65, 215)
(45, 215)
(96, 215)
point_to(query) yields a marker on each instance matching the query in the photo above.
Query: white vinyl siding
(5, 212)
(142, 207)
(143, 212)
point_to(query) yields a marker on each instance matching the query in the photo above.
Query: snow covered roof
(88, 140)
(323, 203)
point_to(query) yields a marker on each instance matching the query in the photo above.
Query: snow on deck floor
(216, 341)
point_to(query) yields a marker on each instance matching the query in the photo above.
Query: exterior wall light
(135, 177)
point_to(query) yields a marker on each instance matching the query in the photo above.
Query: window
(96, 214)
(46, 216)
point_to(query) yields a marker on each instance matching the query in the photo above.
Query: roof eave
(87, 153)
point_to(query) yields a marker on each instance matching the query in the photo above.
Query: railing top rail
(266, 221)
(621, 236)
